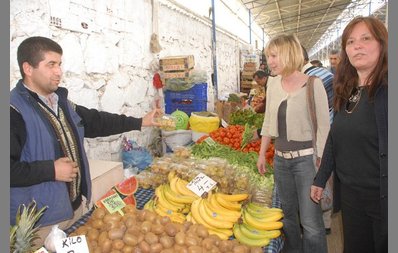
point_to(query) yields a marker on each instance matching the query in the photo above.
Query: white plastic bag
(53, 237)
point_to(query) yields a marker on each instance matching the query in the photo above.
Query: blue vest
(41, 144)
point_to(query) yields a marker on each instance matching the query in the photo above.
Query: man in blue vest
(48, 162)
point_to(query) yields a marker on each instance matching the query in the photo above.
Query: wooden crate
(246, 84)
(177, 74)
(250, 67)
(177, 63)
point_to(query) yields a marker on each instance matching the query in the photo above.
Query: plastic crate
(197, 92)
(192, 100)
(186, 105)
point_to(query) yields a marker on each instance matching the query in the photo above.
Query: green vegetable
(244, 162)
(243, 116)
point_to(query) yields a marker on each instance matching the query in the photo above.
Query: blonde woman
(287, 121)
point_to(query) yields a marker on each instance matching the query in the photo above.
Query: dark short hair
(32, 50)
(260, 74)
(317, 63)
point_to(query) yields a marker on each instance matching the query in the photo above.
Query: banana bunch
(164, 205)
(218, 213)
(173, 199)
(260, 225)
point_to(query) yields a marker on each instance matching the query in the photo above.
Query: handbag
(327, 195)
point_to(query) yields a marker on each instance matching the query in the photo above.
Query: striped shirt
(327, 78)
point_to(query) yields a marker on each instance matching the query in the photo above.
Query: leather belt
(294, 153)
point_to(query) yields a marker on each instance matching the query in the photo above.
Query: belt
(294, 153)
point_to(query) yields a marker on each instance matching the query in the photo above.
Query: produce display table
(144, 195)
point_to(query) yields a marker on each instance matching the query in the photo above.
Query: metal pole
(213, 44)
(250, 27)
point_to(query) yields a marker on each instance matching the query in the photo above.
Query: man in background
(334, 59)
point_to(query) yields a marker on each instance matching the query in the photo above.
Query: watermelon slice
(108, 193)
(182, 119)
(130, 200)
(127, 187)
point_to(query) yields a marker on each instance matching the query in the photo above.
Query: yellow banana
(234, 197)
(209, 219)
(271, 225)
(255, 208)
(218, 215)
(227, 204)
(266, 217)
(166, 203)
(172, 184)
(175, 197)
(256, 234)
(171, 175)
(189, 217)
(223, 235)
(176, 217)
(182, 188)
(217, 206)
(248, 241)
(149, 205)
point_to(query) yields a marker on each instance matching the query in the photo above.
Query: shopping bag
(135, 156)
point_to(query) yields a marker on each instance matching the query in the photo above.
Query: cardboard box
(224, 109)
(104, 175)
(176, 63)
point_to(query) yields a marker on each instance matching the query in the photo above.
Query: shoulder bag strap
(312, 109)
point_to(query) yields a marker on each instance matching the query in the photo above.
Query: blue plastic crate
(197, 92)
(186, 105)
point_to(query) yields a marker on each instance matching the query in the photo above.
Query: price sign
(74, 244)
(41, 250)
(210, 141)
(114, 203)
(201, 184)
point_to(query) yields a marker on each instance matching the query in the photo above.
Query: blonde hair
(289, 51)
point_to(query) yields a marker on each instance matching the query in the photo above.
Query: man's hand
(65, 169)
(149, 119)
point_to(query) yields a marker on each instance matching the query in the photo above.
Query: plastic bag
(135, 156)
(53, 237)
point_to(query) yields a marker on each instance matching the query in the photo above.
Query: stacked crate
(176, 67)
(249, 68)
(192, 100)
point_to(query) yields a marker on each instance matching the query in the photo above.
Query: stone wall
(109, 66)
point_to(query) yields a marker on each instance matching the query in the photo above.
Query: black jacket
(328, 163)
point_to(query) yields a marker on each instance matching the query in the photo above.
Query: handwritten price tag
(114, 203)
(74, 244)
(41, 250)
(201, 184)
(210, 141)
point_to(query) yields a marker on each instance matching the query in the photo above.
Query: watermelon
(182, 119)
(127, 187)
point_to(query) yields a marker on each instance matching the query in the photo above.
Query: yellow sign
(114, 203)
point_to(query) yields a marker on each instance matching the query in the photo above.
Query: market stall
(142, 196)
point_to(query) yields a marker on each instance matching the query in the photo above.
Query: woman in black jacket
(357, 145)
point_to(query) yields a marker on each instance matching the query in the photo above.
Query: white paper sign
(41, 250)
(201, 184)
(74, 244)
